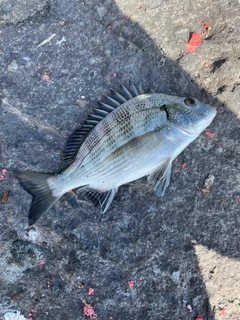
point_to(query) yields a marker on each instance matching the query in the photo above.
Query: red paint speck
(4, 171)
(11, 300)
(89, 312)
(199, 318)
(90, 291)
(140, 278)
(184, 165)
(238, 199)
(41, 261)
(114, 74)
(1, 177)
(48, 284)
(194, 41)
(205, 25)
(222, 312)
(206, 64)
(210, 134)
(69, 191)
(109, 27)
(130, 284)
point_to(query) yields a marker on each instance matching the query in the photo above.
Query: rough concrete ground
(180, 249)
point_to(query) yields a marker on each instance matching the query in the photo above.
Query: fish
(129, 135)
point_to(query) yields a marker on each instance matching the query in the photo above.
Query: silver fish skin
(141, 137)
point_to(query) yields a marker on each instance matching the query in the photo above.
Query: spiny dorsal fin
(111, 101)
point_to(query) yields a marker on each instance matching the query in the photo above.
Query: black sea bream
(128, 136)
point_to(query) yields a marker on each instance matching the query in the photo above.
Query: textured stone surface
(180, 249)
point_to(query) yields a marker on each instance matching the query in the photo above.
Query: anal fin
(99, 199)
(159, 179)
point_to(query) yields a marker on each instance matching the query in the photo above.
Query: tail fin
(36, 184)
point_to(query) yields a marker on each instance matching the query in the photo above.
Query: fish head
(189, 114)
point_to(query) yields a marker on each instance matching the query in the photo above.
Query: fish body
(129, 136)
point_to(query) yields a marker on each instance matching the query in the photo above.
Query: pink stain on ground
(89, 312)
(4, 171)
(30, 314)
(194, 41)
(184, 165)
(210, 134)
(205, 25)
(130, 284)
(45, 77)
(199, 318)
(90, 291)
(222, 312)
(189, 307)
(1, 177)
(41, 261)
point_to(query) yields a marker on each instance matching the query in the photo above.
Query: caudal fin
(36, 184)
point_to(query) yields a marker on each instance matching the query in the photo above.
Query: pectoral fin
(160, 178)
(98, 199)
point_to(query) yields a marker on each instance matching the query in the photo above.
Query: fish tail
(37, 185)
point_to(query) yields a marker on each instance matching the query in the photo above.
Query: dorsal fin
(111, 101)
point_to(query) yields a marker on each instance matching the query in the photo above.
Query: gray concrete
(47, 91)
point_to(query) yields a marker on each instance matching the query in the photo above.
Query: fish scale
(119, 118)
(135, 126)
(128, 136)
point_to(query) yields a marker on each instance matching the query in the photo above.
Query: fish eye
(191, 102)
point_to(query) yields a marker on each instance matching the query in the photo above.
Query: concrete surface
(180, 250)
